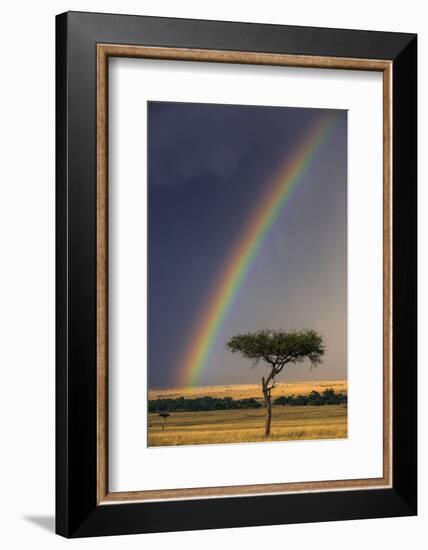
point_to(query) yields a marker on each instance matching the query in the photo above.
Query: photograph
(247, 274)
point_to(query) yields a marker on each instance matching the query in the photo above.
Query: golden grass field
(242, 391)
(247, 425)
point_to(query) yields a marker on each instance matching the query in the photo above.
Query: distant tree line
(327, 397)
(202, 404)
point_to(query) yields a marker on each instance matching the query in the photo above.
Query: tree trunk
(268, 417)
(268, 404)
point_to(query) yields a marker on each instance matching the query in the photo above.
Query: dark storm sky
(209, 168)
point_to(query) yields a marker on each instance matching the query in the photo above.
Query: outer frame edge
(61, 266)
(405, 274)
(120, 519)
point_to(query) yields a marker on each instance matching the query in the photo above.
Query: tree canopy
(278, 347)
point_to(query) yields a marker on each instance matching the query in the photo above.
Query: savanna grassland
(247, 425)
(242, 391)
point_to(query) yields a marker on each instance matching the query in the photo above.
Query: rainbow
(254, 234)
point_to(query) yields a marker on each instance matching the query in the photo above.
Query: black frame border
(77, 512)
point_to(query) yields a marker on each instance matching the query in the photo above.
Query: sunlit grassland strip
(243, 391)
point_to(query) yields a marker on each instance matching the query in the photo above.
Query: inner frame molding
(103, 53)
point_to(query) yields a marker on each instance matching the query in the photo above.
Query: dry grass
(247, 425)
(242, 391)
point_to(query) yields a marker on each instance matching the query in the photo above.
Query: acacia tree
(277, 349)
(164, 416)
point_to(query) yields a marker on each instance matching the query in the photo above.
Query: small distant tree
(164, 416)
(278, 349)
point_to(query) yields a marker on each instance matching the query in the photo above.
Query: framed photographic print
(236, 274)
